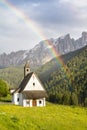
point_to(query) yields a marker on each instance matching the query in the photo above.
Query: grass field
(51, 117)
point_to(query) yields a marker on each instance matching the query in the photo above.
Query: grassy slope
(51, 117)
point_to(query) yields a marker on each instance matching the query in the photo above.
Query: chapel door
(34, 103)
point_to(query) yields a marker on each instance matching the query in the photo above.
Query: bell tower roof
(27, 65)
(26, 69)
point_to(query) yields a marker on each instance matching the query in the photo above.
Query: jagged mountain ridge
(41, 53)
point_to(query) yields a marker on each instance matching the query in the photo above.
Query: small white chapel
(30, 91)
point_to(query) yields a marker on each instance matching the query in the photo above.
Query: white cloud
(15, 34)
(35, 4)
(52, 17)
(77, 3)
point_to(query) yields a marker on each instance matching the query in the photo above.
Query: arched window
(18, 99)
(40, 102)
(27, 69)
(33, 84)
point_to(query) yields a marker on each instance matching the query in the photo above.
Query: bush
(4, 88)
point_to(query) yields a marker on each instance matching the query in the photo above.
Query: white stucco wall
(26, 104)
(15, 98)
(41, 102)
(30, 86)
(44, 104)
(30, 103)
(20, 99)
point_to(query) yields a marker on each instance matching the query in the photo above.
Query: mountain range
(42, 52)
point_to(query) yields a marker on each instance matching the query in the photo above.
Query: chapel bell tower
(26, 69)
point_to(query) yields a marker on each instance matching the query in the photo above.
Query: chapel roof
(30, 94)
(24, 82)
(34, 94)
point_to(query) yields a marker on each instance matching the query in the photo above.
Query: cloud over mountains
(52, 17)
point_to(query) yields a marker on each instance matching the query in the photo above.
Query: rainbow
(36, 30)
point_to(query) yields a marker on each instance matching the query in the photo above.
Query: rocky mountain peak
(42, 53)
(67, 36)
(84, 36)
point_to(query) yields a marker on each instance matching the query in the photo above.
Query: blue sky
(54, 18)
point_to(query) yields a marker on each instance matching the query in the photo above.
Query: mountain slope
(46, 70)
(41, 53)
(70, 87)
(14, 74)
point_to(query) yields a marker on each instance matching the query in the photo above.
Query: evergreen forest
(68, 87)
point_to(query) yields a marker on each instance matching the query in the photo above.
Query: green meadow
(51, 117)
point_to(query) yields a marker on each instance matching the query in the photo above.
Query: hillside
(69, 87)
(46, 70)
(51, 117)
(14, 74)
